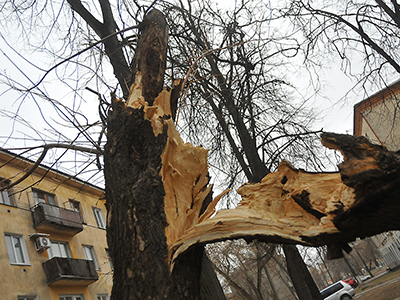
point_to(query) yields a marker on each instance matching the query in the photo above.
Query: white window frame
(28, 297)
(98, 215)
(109, 259)
(5, 197)
(12, 251)
(72, 297)
(58, 243)
(90, 255)
(103, 297)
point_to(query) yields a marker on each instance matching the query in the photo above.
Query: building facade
(378, 118)
(53, 238)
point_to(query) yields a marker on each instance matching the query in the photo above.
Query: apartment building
(378, 118)
(53, 238)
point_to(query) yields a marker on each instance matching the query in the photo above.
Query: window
(59, 249)
(27, 298)
(89, 255)
(103, 297)
(43, 197)
(98, 214)
(17, 249)
(76, 206)
(71, 297)
(109, 260)
(331, 290)
(5, 195)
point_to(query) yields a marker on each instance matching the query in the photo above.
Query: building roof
(43, 170)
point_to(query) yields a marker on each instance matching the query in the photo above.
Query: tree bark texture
(136, 218)
(135, 199)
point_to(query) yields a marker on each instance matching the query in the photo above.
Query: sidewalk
(378, 286)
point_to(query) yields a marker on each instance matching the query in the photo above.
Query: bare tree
(250, 271)
(362, 34)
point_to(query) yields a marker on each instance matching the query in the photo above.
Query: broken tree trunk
(140, 141)
(134, 186)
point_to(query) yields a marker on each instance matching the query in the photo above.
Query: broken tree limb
(295, 206)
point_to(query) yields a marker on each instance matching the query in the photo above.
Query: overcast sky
(335, 114)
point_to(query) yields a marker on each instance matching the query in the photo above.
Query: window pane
(5, 198)
(58, 249)
(41, 197)
(54, 250)
(5, 195)
(50, 199)
(10, 249)
(35, 197)
(109, 260)
(18, 249)
(63, 250)
(88, 253)
(99, 217)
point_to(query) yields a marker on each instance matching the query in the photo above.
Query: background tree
(362, 34)
(250, 271)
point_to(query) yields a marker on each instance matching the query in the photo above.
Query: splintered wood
(288, 206)
(184, 167)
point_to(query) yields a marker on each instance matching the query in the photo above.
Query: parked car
(338, 291)
(352, 282)
(365, 277)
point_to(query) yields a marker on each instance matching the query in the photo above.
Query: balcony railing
(47, 217)
(69, 271)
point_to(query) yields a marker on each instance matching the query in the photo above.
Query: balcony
(69, 271)
(51, 218)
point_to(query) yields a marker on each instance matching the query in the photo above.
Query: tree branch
(42, 156)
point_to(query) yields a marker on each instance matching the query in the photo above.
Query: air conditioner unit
(42, 243)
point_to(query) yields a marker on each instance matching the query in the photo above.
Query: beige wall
(382, 124)
(377, 117)
(31, 279)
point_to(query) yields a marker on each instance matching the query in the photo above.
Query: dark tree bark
(135, 200)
